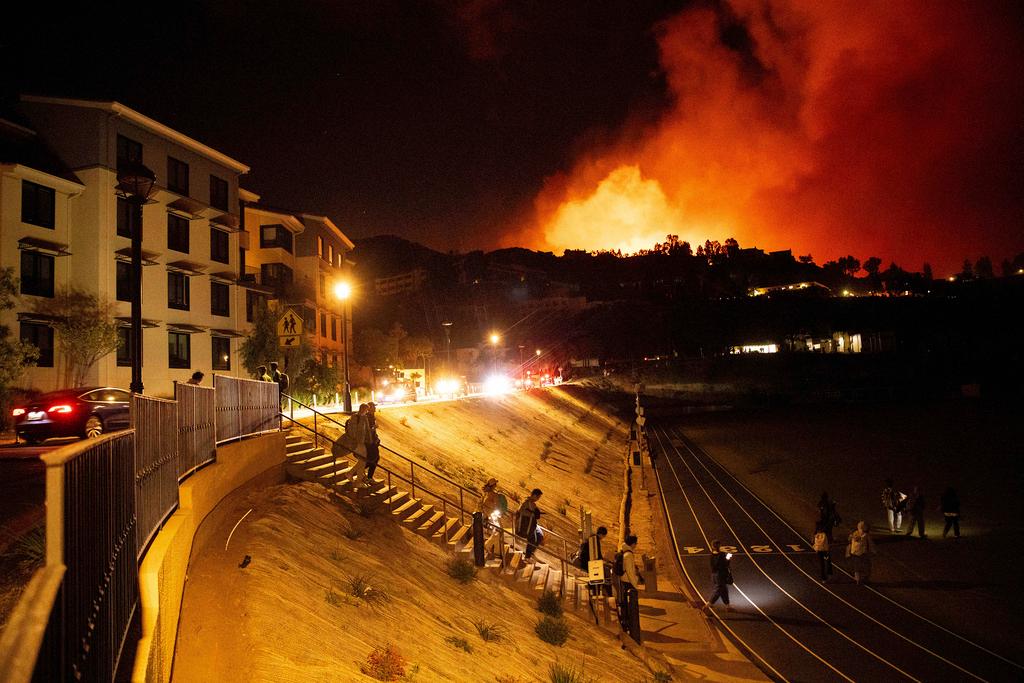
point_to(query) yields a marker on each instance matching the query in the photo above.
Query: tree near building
(17, 354)
(261, 345)
(85, 330)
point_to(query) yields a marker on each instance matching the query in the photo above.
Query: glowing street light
(495, 338)
(343, 292)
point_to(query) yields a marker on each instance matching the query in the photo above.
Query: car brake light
(60, 408)
(17, 412)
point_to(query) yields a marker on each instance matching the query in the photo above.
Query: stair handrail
(462, 490)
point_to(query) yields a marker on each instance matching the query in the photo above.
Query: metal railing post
(412, 478)
(391, 506)
(462, 508)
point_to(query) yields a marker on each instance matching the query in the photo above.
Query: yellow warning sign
(289, 325)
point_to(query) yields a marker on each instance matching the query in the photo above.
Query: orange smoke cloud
(867, 127)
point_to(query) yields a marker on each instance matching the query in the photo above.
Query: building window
(125, 217)
(177, 176)
(37, 204)
(275, 236)
(218, 193)
(275, 274)
(124, 281)
(334, 329)
(177, 291)
(219, 247)
(179, 350)
(221, 353)
(128, 150)
(124, 346)
(41, 337)
(323, 324)
(36, 274)
(320, 246)
(323, 286)
(330, 251)
(253, 302)
(220, 298)
(177, 233)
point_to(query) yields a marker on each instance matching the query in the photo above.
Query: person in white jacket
(629, 579)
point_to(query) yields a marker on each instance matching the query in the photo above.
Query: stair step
(460, 537)
(526, 572)
(397, 499)
(407, 508)
(418, 517)
(540, 578)
(554, 581)
(427, 528)
(311, 458)
(293, 438)
(570, 592)
(512, 563)
(332, 476)
(296, 444)
(446, 529)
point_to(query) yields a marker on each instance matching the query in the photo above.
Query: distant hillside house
(790, 288)
(411, 281)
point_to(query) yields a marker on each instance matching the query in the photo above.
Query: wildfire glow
(865, 127)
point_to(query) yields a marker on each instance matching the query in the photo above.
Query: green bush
(550, 604)
(489, 633)
(567, 673)
(551, 630)
(461, 569)
(459, 643)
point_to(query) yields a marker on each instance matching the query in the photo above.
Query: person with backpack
(894, 503)
(371, 441)
(277, 376)
(822, 545)
(583, 557)
(261, 374)
(828, 515)
(859, 550)
(527, 522)
(625, 569)
(353, 440)
(721, 576)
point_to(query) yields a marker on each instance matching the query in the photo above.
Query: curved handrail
(415, 464)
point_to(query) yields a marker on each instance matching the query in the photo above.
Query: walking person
(915, 510)
(629, 580)
(527, 519)
(859, 550)
(261, 374)
(822, 545)
(828, 515)
(950, 506)
(353, 440)
(196, 378)
(721, 576)
(371, 441)
(893, 501)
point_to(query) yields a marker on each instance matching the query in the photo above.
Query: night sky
(871, 128)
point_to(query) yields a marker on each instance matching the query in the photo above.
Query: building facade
(190, 231)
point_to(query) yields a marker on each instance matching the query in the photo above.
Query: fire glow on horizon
(841, 127)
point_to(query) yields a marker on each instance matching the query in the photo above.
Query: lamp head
(342, 290)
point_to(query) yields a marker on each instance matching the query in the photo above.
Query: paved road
(793, 626)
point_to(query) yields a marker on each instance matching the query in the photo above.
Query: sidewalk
(670, 621)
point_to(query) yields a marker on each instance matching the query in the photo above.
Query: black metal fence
(100, 593)
(245, 407)
(197, 437)
(156, 463)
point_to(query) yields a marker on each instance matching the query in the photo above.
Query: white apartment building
(71, 229)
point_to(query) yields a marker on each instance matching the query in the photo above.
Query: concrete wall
(162, 575)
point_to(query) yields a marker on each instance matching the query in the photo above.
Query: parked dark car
(85, 411)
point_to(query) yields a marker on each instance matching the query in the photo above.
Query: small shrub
(562, 510)
(662, 677)
(478, 440)
(459, 643)
(29, 548)
(514, 496)
(551, 630)
(508, 678)
(549, 604)
(353, 534)
(404, 422)
(332, 598)
(461, 569)
(384, 663)
(522, 484)
(361, 586)
(335, 555)
(567, 673)
(489, 633)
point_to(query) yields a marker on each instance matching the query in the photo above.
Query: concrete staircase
(530, 577)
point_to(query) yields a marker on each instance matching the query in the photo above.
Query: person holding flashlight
(721, 575)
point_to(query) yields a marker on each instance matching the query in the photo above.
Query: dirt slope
(289, 616)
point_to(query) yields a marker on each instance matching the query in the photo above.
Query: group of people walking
(360, 438)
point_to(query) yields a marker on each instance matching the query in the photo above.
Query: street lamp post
(522, 366)
(448, 343)
(343, 291)
(495, 338)
(135, 183)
